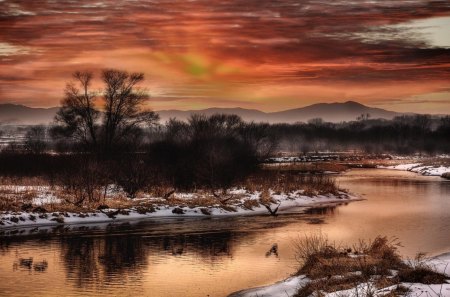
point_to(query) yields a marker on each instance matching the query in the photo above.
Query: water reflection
(323, 210)
(191, 257)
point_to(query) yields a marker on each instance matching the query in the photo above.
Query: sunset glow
(266, 55)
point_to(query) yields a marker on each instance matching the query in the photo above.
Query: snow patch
(287, 201)
(291, 285)
(430, 170)
(287, 287)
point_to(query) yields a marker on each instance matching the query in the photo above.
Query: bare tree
(122, 114)
(122, 102)
(35, 140)
(259, 138)
(77, 116)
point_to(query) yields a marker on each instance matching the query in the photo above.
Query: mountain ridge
(20, 114)
(330, 112)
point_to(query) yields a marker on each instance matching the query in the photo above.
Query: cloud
(225, 49)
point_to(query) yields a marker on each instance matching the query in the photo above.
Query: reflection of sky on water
(217, 256)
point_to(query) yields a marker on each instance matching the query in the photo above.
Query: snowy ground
(285, 288)
(432, 170)
(308, 158)
(291, 285)
(14, 220)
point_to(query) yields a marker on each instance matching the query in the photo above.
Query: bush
(333, 269)
(132, 173)
(206, 152)
(86, 182)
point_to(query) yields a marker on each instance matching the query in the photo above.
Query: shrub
(86, 182)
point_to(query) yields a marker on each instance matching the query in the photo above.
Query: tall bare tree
(122, 114)
(123, 102)
(77, 114)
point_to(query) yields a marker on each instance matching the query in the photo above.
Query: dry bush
(321, 258)
(418, 271)
(334, 268)
(423, 275)
(250, 203)
(329, 285)
(202, 200)
(311, 245)
(290, 181)
(8, 204)
(308, 167)
(86, 184)
(22, 181)
(265, 197)
(161, 190)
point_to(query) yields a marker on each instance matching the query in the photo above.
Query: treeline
(409, 134)
(403, 135)
(208, 153)
(107, 137)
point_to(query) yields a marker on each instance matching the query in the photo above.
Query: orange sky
(268, 55)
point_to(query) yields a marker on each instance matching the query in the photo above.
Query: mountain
(330, 112)
(24, 115)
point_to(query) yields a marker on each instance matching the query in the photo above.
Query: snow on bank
(13, 220)
(308, 158)
(292, 284)
(287, 287)
(431, 170)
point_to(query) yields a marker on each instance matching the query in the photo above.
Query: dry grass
(265, 197)
(17, 193)
(290, 181)
(333, 268)
(23, 181)
(436, 162)
(307, 167)
(250, 203)
(418, 271)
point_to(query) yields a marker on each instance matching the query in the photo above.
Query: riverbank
(423, 169)
(374, 270)
(239, 202)
(337, 163)
(223, 254)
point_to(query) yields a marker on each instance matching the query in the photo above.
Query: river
(214, 257)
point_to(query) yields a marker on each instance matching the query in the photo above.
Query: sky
(267, 55)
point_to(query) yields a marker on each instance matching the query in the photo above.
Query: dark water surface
(214, 257)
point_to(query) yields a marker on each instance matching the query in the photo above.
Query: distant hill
(330, 112)
(24, 115)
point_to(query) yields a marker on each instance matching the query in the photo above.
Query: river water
(214, 257)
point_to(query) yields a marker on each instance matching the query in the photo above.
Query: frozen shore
(420, 168)
(15, 220)
(291, 285)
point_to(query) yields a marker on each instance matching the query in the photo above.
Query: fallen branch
(272, 212)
